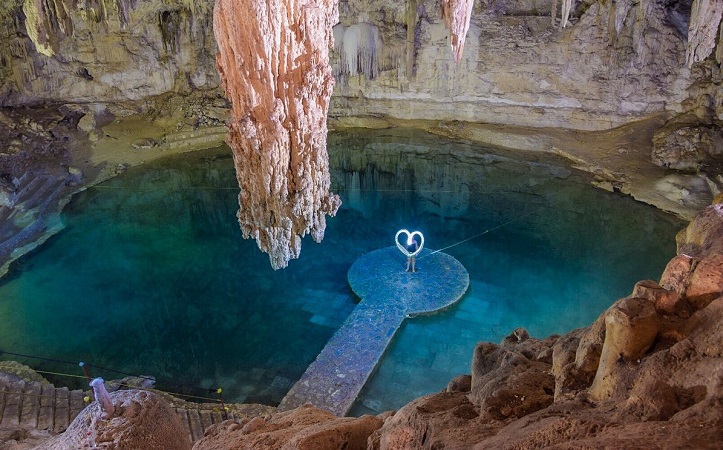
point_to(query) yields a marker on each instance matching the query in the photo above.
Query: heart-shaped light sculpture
(410, 236)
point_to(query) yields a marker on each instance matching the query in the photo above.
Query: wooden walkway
(389, 295)
(32, 405)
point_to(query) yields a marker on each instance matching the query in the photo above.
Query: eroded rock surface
(613, 63)
(689, 148)
(142, 420)
(305, 427)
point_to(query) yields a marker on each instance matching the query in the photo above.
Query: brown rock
(507, 384)
(587, 357)
(706, 282)
(563, 362)
(462, 383)
(631, 326)
(306, 428)
(142, 420)
(534, 349)
(676, 275)
(704, 235)
(666, 301)
(704, 331)
(685, 380)
(439, 421)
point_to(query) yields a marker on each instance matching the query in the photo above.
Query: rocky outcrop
(106, 55)
(705, 20)
(142, 420)
(613, 63)
(689, 148)
(305, 427)
(518, 69)
(648, 352)
(274, 63)
(35, 175)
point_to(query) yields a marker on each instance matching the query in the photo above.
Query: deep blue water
(150, 274)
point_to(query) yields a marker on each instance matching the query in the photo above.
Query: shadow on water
(151, 276)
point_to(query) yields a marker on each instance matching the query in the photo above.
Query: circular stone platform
(440, 280)
(389, 295)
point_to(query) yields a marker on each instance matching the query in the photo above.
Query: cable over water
(484, 232)
(82, 364)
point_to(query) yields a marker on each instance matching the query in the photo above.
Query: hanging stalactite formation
(49, 22)
(705, 20)
(456, 15)
(274, 65)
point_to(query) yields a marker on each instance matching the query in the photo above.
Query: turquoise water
(150, 274)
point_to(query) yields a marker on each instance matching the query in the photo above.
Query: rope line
(32, 394)
(60, 374)
(4, 352)
(216, 400)
(483, 233)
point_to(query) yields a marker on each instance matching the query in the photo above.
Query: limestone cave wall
(120, 55)
(613, 62)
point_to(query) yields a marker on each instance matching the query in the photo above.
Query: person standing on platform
(412, 246)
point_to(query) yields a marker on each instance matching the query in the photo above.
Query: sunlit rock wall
(120, 53)
(615, 62)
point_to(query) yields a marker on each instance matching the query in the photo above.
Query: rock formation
(705, 20)
(456, 15)
(649, 369)
(142, 420)
(106, 55)
(305, 427)
(274, 64)
(515, 66)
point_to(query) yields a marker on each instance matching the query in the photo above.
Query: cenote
(150, 275)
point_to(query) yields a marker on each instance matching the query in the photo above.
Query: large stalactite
(456, 15)
(705, 21)
(274, 65)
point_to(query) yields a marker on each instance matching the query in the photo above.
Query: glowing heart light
(410, 237)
